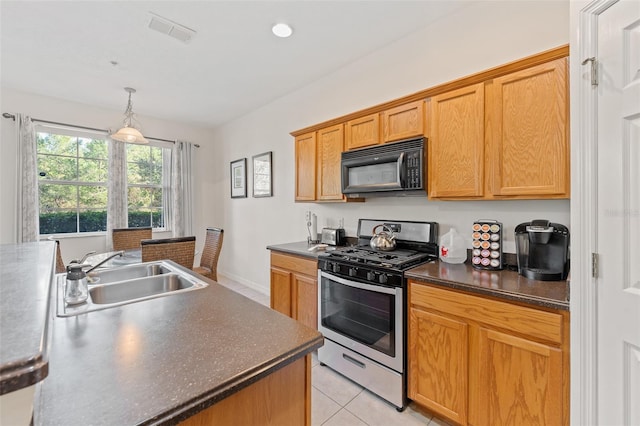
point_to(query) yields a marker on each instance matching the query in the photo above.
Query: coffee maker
(542, 249)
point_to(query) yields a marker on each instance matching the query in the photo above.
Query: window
(73, 170)
(72, 183)
(145, 189)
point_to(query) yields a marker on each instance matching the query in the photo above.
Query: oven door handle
(355, 284)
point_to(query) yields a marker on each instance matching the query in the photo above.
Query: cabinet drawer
(295, 263)
(536, 323)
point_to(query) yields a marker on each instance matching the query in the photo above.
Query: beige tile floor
(336, 400)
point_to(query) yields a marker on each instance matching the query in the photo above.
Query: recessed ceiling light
(282, 30)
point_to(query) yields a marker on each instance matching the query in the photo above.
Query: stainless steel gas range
(362, 305)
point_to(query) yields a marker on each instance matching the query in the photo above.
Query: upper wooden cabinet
(456, 143)
(504, 138)
(363, 131)
(318, 170)
(401, 122)
(404, 121)
(499, 134)
(330, 146)
(305, 151)
(528, 132)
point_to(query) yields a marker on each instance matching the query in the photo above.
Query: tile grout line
(237, 287)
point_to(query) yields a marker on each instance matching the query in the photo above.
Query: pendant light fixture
(129, 133)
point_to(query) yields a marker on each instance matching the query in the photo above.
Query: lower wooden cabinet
(479, 361)
(281, 398)
(294, 287)
(438, 350)
(519, 381)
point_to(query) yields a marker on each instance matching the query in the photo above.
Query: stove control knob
(353, 272)
(335, 267)
(371, 276)
(382, 278)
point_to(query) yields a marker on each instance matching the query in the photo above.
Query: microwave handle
(402, 171)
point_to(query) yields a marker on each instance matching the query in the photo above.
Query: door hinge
(594, 265)
(594, 69)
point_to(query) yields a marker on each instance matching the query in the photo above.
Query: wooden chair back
(181, 250)
(60, 267)
(129, 238)
(210, 254)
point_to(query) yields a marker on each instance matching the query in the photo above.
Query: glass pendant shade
(128, 133)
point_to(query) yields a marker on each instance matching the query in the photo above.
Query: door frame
(584, 216)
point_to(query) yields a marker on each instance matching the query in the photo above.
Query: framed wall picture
(262, 173)
(239, 178)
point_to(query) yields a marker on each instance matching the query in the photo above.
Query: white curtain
(182, 187)
(28, 213)
(116, 189)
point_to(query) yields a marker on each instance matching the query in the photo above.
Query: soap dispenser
(76, 290)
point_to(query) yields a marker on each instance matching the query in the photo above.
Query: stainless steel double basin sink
(128, 284)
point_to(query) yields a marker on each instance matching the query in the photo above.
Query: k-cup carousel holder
(486, 251)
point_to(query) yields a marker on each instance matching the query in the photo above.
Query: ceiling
(88, 51)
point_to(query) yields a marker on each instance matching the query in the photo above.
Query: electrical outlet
(308, 215)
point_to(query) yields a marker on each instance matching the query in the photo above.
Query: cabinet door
(363, 131)
(306, 300)
(330, 147)
(281, 286)
(438, 362)
(456, 143)
(528, 142)
(520, 381)
(404, 121)
(305, 151)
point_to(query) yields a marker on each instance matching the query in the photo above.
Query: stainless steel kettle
(384, 240)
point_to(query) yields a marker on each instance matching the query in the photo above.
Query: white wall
(477, 38)
(74, 113)
(472, 40)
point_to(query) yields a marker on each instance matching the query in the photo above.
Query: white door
(618, 215)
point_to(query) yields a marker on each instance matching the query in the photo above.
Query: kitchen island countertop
(25, 272)
(157, 361)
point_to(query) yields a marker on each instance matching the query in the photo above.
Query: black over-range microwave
(392, 169)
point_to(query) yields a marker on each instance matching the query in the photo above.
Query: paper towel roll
(314, 226)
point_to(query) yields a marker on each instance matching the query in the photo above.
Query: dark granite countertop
(299, 249)
(25, 273)
(162, 360)
(503, 284)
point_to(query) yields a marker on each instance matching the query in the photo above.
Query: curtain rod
(13, 117)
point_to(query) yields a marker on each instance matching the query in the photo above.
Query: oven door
(365, 318)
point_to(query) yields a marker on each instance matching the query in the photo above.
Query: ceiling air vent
(170, 28)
